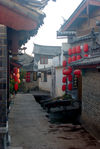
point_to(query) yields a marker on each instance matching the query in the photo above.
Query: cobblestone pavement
(29, 128)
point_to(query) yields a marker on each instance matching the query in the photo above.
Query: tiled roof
(47, 50)
(87, 61)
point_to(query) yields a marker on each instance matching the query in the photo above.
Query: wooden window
(43, 60)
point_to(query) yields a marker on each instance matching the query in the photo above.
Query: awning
(20, 17)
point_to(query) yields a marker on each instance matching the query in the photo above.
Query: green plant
(12, 82)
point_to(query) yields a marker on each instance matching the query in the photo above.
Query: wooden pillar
(3, 84)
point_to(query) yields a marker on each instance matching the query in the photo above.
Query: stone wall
(46, 86)
(91, 101)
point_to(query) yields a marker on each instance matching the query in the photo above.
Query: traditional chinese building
(19, 20)
(83, 56)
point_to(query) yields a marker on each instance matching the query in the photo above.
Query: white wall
(46, 86)
(59, 83)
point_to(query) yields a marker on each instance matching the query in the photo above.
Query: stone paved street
(29, 128)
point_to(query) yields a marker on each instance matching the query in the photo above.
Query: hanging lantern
(64, 63)
(15, 78)
(18, 75)
(70, 68)
(78, 49)
(73, 58)
(85, 55)
(18, 70)
(16, 86)
(27, 79)
(70, 78)
(78, 57)
(67, 72)
(18, 81)
(63, 87)
(70, 52)
(86, 47)
(15, 70)
(64, 79)
(77, 76)
(70, 86)
(77, 72)
(63, 71)
(69, 60)
(74, 50)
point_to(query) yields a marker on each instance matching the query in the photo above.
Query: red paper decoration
(78, 57)
(78, 49)
(70, 52)
(63, 87)
(85, 55)
(73, 58)
(18, 70)
(18, 81)
(15, 70)
(18, 75)
(85, 48)
(70, 68)
(67, 72)
(64, 63)
(63, 71)
(69, 60)
(74, 50)
(70, 78)
(70, 86)
(77, 72)
(16, 86)
(27, 79)
(64, 79)
(15, 78)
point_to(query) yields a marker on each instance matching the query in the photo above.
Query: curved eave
(18, 17)
(75, 17)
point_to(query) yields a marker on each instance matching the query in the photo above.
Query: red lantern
(67, 72)
(15, 78)
(78, 57)
(64, 79)
(73, 58)
(70, 86)
(70, 68)
(28, 73)
(63, 71)
(15, 70)
(18, 81)
(28, 80)
(63, 87)
(64, 63)
(77, 72)
(85, 55)
(18, 75)
(74, 50)
(70, 78)
(77, 76)
(86, 48)
(70, 52)
(18, 70)
(69, 60)
(16, 86)
(78, 49)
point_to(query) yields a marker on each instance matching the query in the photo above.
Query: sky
(56, 13)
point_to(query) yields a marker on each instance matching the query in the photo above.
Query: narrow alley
(30, 128)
